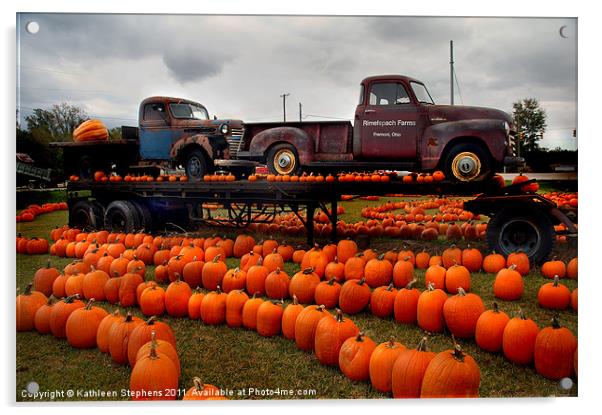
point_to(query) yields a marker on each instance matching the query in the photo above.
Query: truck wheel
(122, 216)
(146, 219)
(467, 162)
(195, 165)
(283, 159)
(86, 215)
(526, 230)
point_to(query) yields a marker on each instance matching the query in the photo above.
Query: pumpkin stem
(556, 280)
(381, 257)
(339, 316)
(198, 385)
(512, 267)
(390, 287)
(422, 345)
(410, 284)
(151, 320)
(28, 289)
(555, 322)
(128, 317)
(295, 300)
(495, 308)
(48, 264)
(308, 270)
(362, 281)
(331, 281)
(521, 314)
(89, 304)
(430, 287)
(461, 292)
(457, 354)
(218, 290)
(259, 261)
(360, 336)
(216, 258)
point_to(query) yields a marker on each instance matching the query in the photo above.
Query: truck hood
(446, 113)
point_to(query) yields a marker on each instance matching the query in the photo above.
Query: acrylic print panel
(295, 207)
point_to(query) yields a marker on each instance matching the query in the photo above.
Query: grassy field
(238, 359)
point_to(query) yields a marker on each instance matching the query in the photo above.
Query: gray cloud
(239, 65)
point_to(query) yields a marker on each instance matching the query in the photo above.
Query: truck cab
(181, 131)
(397, 126)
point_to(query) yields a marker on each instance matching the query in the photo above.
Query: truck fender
(301, 140)
(214, 147)
(488, 132)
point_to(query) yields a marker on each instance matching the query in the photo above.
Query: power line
(324, 116)
(91, 115)
(459, 91)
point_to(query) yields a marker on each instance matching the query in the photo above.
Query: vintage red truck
(171, 133)
(397, 127)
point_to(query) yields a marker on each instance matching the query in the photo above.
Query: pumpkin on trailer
(451, 374)
(508, 284)
(330, 335)
(461, 312)
(91, 130)
(554, 351)
(554, 295)
(408, 371)
(406, 303)
(289, 318)
(381, 364)
(44, 278)
(305, 326)
(354, 357)
(518, 340)
(27, 304)
(269, 318)
(152, 376)
(382, 301)
(354, 296)
(203, 392)
(82, 326)
(490, 327)
(429, 309)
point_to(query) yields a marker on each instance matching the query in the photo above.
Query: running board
(362, 165)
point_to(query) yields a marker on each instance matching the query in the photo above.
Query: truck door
(388, 122)
(155, 133)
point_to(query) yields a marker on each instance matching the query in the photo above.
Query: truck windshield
(422, 95)
(191, 111)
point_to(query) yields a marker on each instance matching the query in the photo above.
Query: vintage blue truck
(171, 132)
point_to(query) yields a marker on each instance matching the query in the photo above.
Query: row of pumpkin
(149, 347)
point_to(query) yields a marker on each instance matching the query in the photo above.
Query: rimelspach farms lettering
(390, 123)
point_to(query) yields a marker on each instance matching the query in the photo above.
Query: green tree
(530, 122)
(115, 133)
(56, 123)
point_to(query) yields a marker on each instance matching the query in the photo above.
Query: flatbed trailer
(518, 220)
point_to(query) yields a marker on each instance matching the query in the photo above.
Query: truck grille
(235, 141)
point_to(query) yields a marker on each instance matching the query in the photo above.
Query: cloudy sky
(239, 65)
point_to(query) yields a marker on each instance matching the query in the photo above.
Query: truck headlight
(224, 129)
(507, 128)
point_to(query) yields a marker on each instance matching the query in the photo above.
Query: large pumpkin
(451, 374)
(408, 371)
(554, 351)
(330, 335)
(91, 130)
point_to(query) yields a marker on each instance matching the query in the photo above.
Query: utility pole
(300, 112)
(451, 71)
(283, 96)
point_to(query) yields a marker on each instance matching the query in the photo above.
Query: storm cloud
(239, 65)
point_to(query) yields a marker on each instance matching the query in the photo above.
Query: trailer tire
(526, 230)
(86, 215)
(122, 216)
(196, 165)
(283, 159)
(467, 162)
(146, 219)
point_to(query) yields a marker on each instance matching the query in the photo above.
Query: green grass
(238, 359)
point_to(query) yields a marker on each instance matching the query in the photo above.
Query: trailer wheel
(146, 219)
(467, 162)
(122, 216)
(86, 215)
(526, 230)
(283, 159)
(195, 164)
